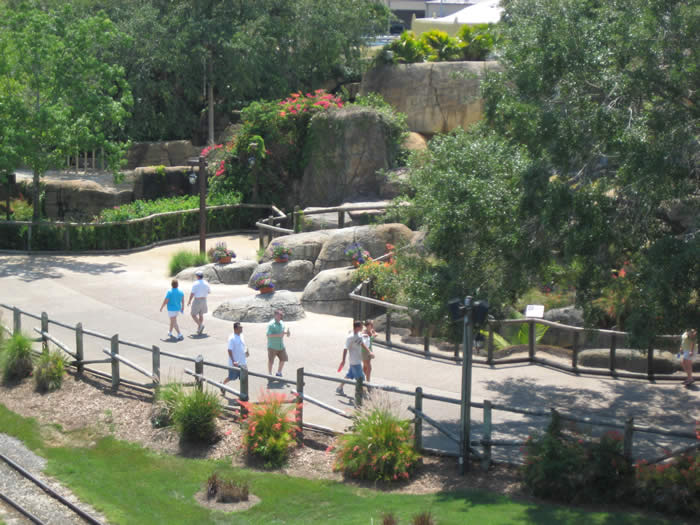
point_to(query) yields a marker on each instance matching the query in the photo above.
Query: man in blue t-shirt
(175, 300)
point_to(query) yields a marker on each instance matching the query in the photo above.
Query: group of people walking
(175, 301)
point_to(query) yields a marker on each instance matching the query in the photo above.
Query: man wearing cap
(199, 293)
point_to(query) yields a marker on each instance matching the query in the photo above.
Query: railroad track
(48, 490)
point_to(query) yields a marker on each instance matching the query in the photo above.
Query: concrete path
(122, 294)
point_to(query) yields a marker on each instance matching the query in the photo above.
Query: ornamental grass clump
(168, 397)
(270, 428)
(195, 415)
(16, 360)
(226, 490)
(380, 446)
(185, 259)
(49, 371)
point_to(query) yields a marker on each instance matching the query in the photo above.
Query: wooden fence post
(418, 421)
(388, 326)
(574, 354)
(115, 362)
(486, 460)
(341, 219)
(16, 321)
(44, 328)
(296, 219)
(489, 350)
(29, 236)
(300, 404)
(358, 392)
(199, 370)
(79, 353)
(531, 339)
(244, 384)
(613, 348)
(650, 362)
(627, 440)
(155, 352)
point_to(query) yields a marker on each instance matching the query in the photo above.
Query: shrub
(49, 371)
(195, 415)
(382, 276)
(226, 490)
(408, 49)
(168, 397)
(357, 254)
(424, 518)
(185, 259)
(380, 446)
(442, 47)
(670, 487)
(563, 467)
(16, 359)
(270, 428)
(477, 41)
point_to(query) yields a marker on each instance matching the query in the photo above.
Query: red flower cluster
(298, 103)
(206, 151)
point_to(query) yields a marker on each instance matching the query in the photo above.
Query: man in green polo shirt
(275, 343)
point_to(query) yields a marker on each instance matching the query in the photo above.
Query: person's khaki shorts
(199, 306)
(280, 354)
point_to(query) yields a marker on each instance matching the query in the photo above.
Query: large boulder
(328, 293)
(568, 315)
(172, 153)
(304, 246)
(372, 238)
(436, 97)
(81, 199)
(292, 275)
(350, 145)
(236, 272)
(630, 360)
(152, 183)
(260, 308)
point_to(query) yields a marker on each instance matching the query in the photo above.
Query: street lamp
(474, 314)
(201, 175)
(252, 150)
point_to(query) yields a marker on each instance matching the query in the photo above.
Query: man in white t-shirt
(200, 291)
(354, 345)
(237, 353)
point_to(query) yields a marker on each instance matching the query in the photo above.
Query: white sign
(534, 310)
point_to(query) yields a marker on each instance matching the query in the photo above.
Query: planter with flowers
(220, 254)
(357, 254)
(280, 253)
(262, 282)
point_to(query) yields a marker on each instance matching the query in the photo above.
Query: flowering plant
(319, 100)
(357, 254)
(219, 251)
(380, 446)
(262, 280)
(270, 428)
(280, 252)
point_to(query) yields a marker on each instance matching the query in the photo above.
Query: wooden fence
(361, 296)
(115, 359)
(144, 232)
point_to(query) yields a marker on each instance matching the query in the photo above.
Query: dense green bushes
(186, 259)
(195, 413)
(16, 361)
(49, 371)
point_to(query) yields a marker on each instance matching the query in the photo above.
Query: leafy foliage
(380, 445)
(195, 415)
(186, 259)
(477, 41)
(442, 47)
(16, 361)
(407, 49)
(472, 43)
(270, 428)
(168, 397)
(219, 251)
(49, 371)
(673, 486)
(382, 276)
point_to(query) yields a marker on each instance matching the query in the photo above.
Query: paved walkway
(122, 294)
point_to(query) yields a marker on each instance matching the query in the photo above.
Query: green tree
(63, 95)
(604, 96)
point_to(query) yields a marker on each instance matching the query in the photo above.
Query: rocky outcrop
(260, 308)
(304, 246)
(327, 293)
(569, 316)
(630, 360)
(172, 153)
(436, 97)
(80, 199)
(155, 182)
(292, 275)
(236, 272)
(372, 238)
(350, 146)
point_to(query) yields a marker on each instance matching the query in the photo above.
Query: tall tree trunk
(36, 215)
(210, 97)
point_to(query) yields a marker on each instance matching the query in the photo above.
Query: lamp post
(201, 162)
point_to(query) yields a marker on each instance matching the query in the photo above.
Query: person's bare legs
(281, 366)
(688, 367)
(270, 361)
(197, 319)
(367, 369)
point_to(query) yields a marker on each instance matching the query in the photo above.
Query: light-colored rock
(568, 315)
(327, 293)
(630, 360)
(350, 145)
(80, 199)
(436, 97)
(322, 221)
(236, 272)
(415, 142)
(259, 308)
(291, 275)
(172, 153)
(304, 246)
(372, 238)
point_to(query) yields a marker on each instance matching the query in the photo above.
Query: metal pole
(202, 205)
(465, 413)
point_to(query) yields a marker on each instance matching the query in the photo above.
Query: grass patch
(130, 484)
(186, 259)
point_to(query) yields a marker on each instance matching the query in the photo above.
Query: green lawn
(130, 484)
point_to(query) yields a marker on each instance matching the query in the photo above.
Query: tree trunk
(210, 97)
(36, 215)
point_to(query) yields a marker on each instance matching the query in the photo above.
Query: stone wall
(436, 97)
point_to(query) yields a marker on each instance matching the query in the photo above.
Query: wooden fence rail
(488, 407)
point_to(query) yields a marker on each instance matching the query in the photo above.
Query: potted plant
(280, 253)
(262, 282)
(220, 254)
(357, 254)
